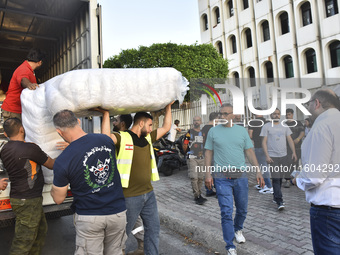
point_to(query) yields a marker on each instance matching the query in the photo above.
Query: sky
(128, 24)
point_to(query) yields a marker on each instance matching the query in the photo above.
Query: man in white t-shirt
(274, 144)
(173, 131)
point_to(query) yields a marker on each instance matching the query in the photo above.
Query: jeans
(30, 226)
(100, 234)
(146, 206)
(227, 191)
(261, 159)
(138, 229)
(325, 229)
(279, 166)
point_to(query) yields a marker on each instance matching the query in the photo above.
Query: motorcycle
(168, 156)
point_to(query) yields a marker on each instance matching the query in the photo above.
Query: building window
(331, 7)
(230, 8)
(249, 42)
(311, 61)
(288, 62)
(217, 15)
(220, 48)
(265, 31)
(334, 49)
(306, 13)
(233, 44)
(237, 79)
(251, 72)
(205, 22)
(269, 72)
(245, 4)
(284, 23)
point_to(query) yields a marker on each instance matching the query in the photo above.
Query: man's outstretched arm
(105, 127)
(166, 123)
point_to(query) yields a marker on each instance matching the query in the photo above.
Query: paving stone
(267, 231)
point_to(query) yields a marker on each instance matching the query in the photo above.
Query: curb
(208, 237)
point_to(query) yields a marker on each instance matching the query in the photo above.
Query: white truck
(69, 31)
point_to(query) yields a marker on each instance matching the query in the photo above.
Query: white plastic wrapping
(118, 90)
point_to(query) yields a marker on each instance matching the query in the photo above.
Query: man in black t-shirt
(23, 162)
(193, 145)
(88, 166)
(205, 131)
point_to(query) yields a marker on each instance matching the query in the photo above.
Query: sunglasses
(307, 103)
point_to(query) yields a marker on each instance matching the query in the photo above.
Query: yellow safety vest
(125, 155)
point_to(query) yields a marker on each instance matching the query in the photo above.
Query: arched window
(230, 7)
(233, 44)
(220, 47)
(269, 72)
(306, 14)
(217, 15)
(265, 31)
(289, 70)
(249, 42)
(311, 61)
(245, 4)
(251, 72)
(237, 79)
(284, 23)
(334, 49)
(205, 22)
(331, 7)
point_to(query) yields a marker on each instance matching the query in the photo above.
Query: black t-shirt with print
(22, 162)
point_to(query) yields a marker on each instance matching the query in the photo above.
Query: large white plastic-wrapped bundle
(118, 90)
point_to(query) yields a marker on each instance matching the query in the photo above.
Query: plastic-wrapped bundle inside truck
(118, 90)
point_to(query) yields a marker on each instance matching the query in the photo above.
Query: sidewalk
(267, 231)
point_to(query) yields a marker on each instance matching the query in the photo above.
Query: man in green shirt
(137, 171)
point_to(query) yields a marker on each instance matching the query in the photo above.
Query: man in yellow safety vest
(137, 167)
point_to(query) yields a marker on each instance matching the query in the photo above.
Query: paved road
(61, 237)
(267, 230)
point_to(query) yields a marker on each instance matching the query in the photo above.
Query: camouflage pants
(30, 226)
(6, 115)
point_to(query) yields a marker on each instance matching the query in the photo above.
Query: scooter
(167, 157)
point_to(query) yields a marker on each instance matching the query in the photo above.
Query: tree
(195, 62)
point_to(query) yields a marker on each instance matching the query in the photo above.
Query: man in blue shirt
(228, 143)
(88, 165)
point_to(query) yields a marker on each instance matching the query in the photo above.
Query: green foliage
(193, 61)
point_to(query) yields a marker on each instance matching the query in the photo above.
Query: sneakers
(287, 184)
(276, 202)
(232, 251)
(280, 206)
(213, 193)
(258, 187)
(239, 238)
(266, 190)
(200, 200)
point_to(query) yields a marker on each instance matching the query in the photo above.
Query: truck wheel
(166, 170)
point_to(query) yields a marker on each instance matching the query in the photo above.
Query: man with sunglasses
(193, 146)
(227, 145)
(320, 175)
